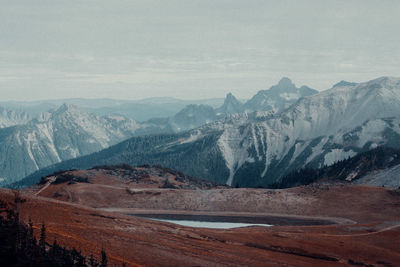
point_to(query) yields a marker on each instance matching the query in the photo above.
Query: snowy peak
(385, 84)
(62, 134)
(315, 131)
(231, 106)
(258, 148)
(278, 96)
(343, 107)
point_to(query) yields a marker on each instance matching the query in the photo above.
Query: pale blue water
(215, 225)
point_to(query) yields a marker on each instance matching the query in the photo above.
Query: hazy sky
(191, 48)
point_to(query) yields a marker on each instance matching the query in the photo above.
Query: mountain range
(140, 110)
(69, 131)
(259, 148)
(278, 97)
(52, 137)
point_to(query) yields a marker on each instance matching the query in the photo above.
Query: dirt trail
(48, 183)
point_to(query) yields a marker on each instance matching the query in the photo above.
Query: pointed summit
(70, 110)
(66, 107)
(230, 99)
(278, 96)
(229, 96)
(231, 105)
(285, 81)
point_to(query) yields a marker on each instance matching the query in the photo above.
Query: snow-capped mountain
(62, 134)
(192, 116)
(10, 118)
(278, 96)
(315, 131)
(257, 149)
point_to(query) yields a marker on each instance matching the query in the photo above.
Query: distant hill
(140, 110)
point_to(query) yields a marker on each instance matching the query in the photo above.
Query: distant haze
(130, 49)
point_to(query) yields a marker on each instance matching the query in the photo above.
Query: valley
(291, 177)
(204, 133)
(331, 224)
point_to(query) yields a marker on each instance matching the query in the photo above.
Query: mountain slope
(56, 136)
(231, 106)
(10, 118)
(317, 130)
(377, 167)
(259, 148)
(192, 116)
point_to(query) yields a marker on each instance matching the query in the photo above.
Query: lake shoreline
(258, 219)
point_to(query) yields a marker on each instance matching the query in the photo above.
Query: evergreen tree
(103, 258)
(42, 240)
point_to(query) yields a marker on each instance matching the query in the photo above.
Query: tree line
(20, 247)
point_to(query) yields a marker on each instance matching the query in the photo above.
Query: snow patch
(290, 96)
(192, 138)
(336, 155)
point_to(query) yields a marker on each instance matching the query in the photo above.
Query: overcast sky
(191, 48)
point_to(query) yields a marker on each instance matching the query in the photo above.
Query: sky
(190, 49)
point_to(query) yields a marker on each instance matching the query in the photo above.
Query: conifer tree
(103, 258)
(42, 240)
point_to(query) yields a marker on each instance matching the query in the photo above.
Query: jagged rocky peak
(284, 85)
(70, 111)
(230, 98)
(278, 96)
(231, 106)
